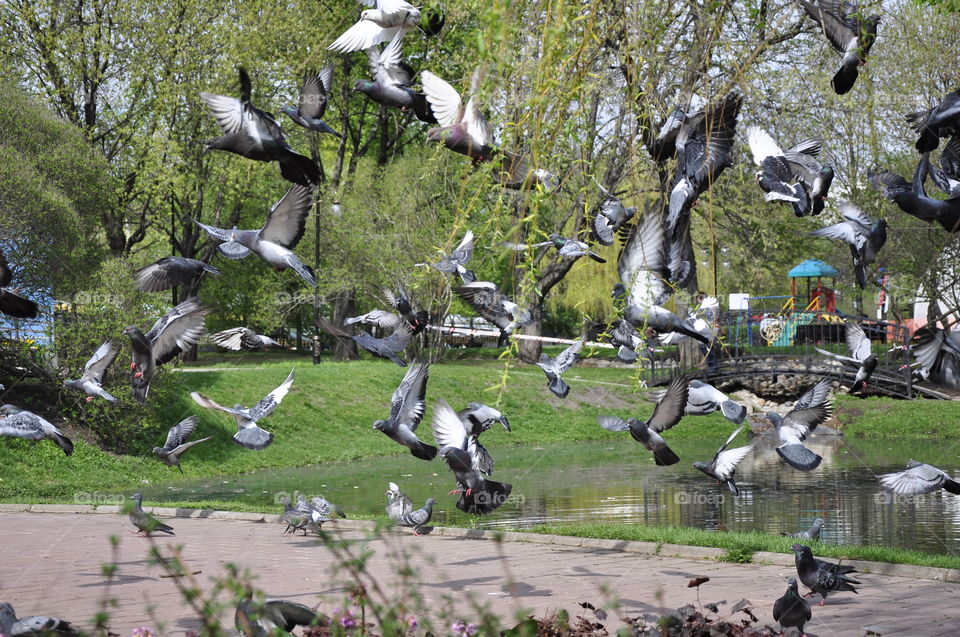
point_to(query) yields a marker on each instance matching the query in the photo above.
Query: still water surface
(618, 482)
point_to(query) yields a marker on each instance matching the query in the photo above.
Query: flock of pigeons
(657, 259)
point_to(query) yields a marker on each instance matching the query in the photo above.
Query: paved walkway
(51, 563)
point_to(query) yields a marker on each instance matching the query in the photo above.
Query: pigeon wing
(444, 100)
(269, 402)
(857, 342)
(816, 395)
(448, 429)
(203, 401)
(830, 16)
(802, 421)
(97, 366)
(287, 219)
(21, 425)
(568, 357)
(181, 328)
(643, 263)
(409, 399)
(232, 338)
(669, 410)
(762, 144)
(313, 93)
(230, 112)
(921, 479)
(180, 432)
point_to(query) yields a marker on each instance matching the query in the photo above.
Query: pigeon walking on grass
(177, 443)
(16, 423)
(91, 381)
(10, 626)
(145, 523)
(858, 345)
(170, 272)
(724, 463)
(666, 414)
(791, 610)
(812, 534)
(407, 406)
(820, 576)
(554, 367)
(919, 478)
(249, 434)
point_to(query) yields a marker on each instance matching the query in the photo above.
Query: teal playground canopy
(812, 268)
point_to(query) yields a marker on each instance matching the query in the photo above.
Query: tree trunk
(344, 306)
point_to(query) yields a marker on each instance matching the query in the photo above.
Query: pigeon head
(619, 291)
(774, 417)
(801, 550)
(9, 410)
(363, 86)
(380, 425)
(792, 584)
(818, 522)
(912, 464)
(702, 466)
(289, 110)
(136, 497)
(369, 14)
(159, 451)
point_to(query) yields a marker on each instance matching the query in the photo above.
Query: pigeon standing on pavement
(275, 241)
(316, 516)
(33, 625)
(398, 504)
(237, 338)
(848, 32)
(820, 576)
(179, 330)
(812, 534)
(91, 381)
(295, 519)
(554, 367)
(918, 478)
(170, 272)
(666, 414)
(791, 610)
(313, 102)
(418, 519)
(703, 399)
(11, 303)
(724, 463)
(860, 355)
(249, 434)
(177, 443)
(17, 423)
(407, 406)
(145, 522)
(864, 236)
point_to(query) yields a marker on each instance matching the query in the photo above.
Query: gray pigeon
(177, 443)
(462, 127)
(703, 399)
(627, 337)
(793, 429)
(325, 507)
(377, 25)
(812, 534)
(860, 355)
(389, 347)
(822, 577)
(417, 519)
(406, 411)
(725, 462)
(93, 371)
(943, 120)
(313, 102)
(398, 504)
(864, 236)
(274, 242)
(454, 262)
(611, 218)
(391, 83)
(947, 177)
(249, 434)
(566, 247)
(791, 610)
(10, 626)
(912, 198)
(237, 338)
(17, 423)
(794, 175)
(666, 414)
(848, 32)
(480, 417)
(11, 303)
(494, 306)
(315, 517)
(145, 522)
(169, 272)
(295, 519)
(380, 319)
(554, 367)
(463, 455)
(255, 134)
(179, 330)
(272, 616)
(919, 478)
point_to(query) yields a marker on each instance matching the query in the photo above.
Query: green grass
(741, 546)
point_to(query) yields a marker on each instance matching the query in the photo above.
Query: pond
(618, 482)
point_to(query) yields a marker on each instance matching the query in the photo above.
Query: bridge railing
(755, 341)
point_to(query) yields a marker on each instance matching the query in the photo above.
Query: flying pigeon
(793, 176)
(477, 418)
(934, 349)
(462, 128)
(255, 134)
(377, 25)
(943, 120)
(145, 522)
(93, 371)
(848, 32)
(392, 79)
(417, 519)
(11, 303)
(237, 338)
(398, 504)
(791, 610)
(566, 248)
(274, 242)
(177, 443)
(664, 145)
(401, 302)
(864, 236)
(169, 272)
(918, 478)
(406, 411)
(17, 423)
(249, 434)
(179, 330)
(389, 347)
(703, 399)
(627, 337)
(611, 218)
(272, 616)
(313, 102)
(380, 319)
(494, 306)
(816, 395)
(554, 367)
(822, 577)
(514, 170)
(33, 625)
(912, 198)
(724, 463)
(947, 176)
(793, 429)
(478, 495)
(860, 355)
(454, 262)
(295, 519)
(666, 414)
(812, 534)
